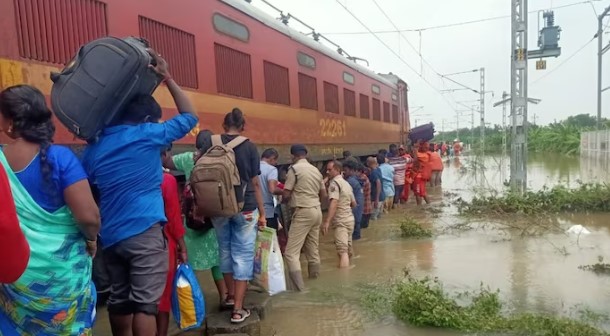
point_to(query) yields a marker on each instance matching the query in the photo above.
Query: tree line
(562, 137)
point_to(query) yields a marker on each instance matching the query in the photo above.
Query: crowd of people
(55, 207)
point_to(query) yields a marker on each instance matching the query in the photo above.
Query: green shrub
(425, 303)
(410, 228)
(585, 198)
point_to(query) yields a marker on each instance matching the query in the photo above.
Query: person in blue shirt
(350, 172)
(387, 182)
(124, 167)
(377, 195)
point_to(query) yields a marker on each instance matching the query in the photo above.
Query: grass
(559, 199)
(425, 303)
(410, 228)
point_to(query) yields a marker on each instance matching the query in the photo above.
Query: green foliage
(410, 228)
(559, 137)
(585, 198)
(425, 303)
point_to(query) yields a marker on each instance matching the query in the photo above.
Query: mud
(534, 273)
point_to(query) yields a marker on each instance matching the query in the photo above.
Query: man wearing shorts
(341, 201)
(124, 165)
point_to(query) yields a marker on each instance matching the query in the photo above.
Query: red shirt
(174, 229)
(436, 162)
(12, 240)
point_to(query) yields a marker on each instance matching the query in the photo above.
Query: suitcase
(104, 76)
(423, 132)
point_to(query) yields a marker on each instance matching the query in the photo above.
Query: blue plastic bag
(188, 304)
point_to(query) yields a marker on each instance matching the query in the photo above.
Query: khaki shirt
(340, 190)
(305, 181)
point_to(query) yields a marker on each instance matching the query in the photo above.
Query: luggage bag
(423, 132)
(103, 77)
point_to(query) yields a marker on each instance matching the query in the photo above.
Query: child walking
(174, 232)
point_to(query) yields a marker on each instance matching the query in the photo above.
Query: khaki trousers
(304, 235)
(343, 235)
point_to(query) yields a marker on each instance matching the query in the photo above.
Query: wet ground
(534, 273)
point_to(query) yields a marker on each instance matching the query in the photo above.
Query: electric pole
(600, 52)
(505, 136)
(482, 109)
(518, 162)
(548, 41)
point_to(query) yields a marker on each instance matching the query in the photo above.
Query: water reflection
(533, 273)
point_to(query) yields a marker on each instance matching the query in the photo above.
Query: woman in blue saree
(59, 218)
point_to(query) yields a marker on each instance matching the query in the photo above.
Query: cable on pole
(394, 53)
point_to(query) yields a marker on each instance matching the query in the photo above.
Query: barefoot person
(341, 201)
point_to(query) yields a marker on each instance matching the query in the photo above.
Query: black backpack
(103, 77)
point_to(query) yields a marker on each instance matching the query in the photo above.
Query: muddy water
(533, 273)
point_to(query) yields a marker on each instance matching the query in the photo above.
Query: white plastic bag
(268, 262)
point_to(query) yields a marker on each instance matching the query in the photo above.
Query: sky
(567, 87)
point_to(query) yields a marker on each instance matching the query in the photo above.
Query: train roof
(301, 38)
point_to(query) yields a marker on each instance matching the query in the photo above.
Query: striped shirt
(399, 163)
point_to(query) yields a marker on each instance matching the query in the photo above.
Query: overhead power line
(456, 24)
(394, 52)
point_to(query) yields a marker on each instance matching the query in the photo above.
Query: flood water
(533, 273)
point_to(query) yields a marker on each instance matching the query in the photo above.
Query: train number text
(332, 128)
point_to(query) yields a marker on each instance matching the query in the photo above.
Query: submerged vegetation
(425, 303)
(410, 228)
(585, 198)
(600, 267)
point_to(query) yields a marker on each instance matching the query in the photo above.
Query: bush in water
(425, 303)
(410, 228)
(585, 198)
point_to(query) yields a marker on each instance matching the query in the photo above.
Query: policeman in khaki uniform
(304, 188)
(342, 200)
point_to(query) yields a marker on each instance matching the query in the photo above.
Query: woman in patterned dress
(202, 246)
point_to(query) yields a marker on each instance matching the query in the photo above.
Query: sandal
(242, 313)
(227, 303)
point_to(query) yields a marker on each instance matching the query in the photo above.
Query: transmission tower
(548, 42)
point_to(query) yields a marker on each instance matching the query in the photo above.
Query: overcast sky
(569, 90)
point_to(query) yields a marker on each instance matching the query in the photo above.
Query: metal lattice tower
(518, 162)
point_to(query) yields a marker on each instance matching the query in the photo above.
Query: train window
(376, 109)
(230, 27)
(53, 31)
(277, 86)
(395, 114)
(394, 96)
(386, 112)
(306, 60)
(308, 92)
(331, 98)
(348, 78)
(233, 72)
(365, 107)
(176, 46)
(376, 89)
(349, 102)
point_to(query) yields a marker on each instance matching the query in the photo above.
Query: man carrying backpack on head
(226, 187)
(124, 165)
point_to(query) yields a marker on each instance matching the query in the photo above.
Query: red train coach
(226, 54)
